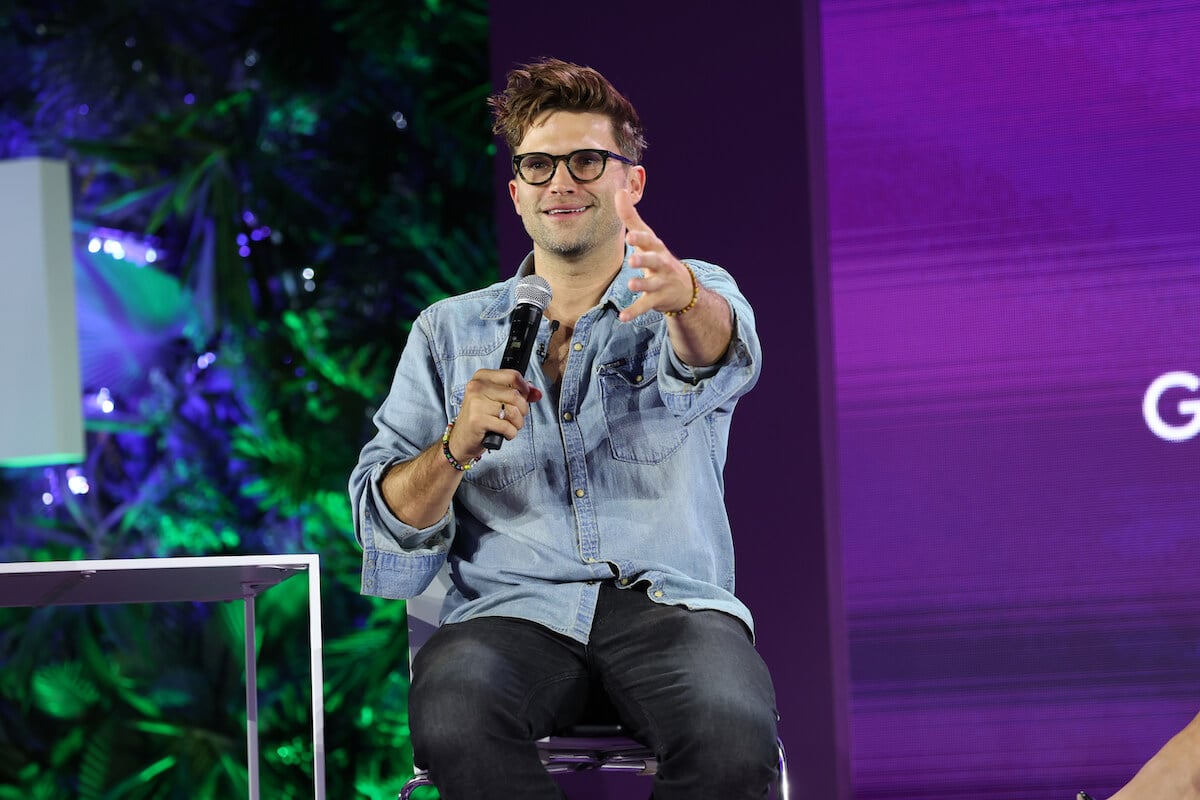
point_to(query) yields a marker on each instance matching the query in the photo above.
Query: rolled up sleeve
(398, 559)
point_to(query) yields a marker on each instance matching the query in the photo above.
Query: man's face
(565, 217)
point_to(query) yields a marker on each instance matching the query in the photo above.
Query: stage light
(121, 245)
(77, 482)
(104, 401)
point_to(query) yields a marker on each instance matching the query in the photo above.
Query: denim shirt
(616, 476)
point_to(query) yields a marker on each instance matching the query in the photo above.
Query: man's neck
(577, 284)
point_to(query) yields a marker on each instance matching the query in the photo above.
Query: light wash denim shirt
(616, 476)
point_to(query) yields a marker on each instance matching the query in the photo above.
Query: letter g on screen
(1189, 408)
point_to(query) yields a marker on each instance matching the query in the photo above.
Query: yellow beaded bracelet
(695, 296)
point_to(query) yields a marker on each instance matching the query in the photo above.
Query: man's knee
(454, 686)
(725, 749)
(735, 726)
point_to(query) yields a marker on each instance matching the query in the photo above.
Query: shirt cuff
(678, 376)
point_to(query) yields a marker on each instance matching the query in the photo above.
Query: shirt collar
(617, 295)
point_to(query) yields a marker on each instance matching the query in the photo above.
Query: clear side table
(204, 579)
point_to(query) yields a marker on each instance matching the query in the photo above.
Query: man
(591, 553)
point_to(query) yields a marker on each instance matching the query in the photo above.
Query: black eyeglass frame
(605, 155)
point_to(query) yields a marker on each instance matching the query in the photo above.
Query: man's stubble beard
(577, 246)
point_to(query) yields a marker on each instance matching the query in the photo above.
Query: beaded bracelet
(695, 296)
(454, 462)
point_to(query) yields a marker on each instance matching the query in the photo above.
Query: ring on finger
(502, 411)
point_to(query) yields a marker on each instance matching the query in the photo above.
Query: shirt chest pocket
(499, 469)
(641, 429)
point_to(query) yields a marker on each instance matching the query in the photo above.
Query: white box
(41, 405)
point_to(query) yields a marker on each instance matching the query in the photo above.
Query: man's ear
(512, 192)
(636, 182)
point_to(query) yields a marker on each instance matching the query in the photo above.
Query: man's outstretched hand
(666, 283)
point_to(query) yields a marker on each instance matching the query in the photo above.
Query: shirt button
(658, 594)
(624, 581)
(591, 560)
(567, 416)
(580, 492)
(638, 379)
(577, 347)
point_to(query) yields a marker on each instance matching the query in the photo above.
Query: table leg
(318, 679)
(251, 698)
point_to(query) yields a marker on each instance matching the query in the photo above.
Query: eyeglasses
(584, 165)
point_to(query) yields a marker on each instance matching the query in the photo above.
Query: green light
(42, 460)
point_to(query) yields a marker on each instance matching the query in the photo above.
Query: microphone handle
(521, 337)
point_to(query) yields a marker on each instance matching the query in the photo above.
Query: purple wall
(723, 99)
(1013, 262)
(1013, 204)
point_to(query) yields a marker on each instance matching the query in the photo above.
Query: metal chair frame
(586, 747)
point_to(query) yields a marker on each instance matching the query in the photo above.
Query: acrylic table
(204, 579)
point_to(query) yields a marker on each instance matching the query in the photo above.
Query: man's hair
(553, 85)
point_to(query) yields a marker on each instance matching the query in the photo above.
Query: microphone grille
(533, 290)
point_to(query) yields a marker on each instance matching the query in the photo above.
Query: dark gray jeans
(688, 683)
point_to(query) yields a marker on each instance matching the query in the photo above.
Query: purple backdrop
(1014, 192)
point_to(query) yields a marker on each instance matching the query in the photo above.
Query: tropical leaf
(64, 690)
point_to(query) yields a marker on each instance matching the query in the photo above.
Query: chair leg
(414, 783)
(784, 789)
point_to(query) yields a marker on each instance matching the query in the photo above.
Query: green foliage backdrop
(310, 175)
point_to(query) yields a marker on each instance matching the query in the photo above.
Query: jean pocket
(641, 429)
(499, 469)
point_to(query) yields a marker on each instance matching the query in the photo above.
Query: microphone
(542, 353)
(533, 295)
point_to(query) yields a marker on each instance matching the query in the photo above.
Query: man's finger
(635, 310)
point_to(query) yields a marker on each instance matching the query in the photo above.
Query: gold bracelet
(695, 296)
